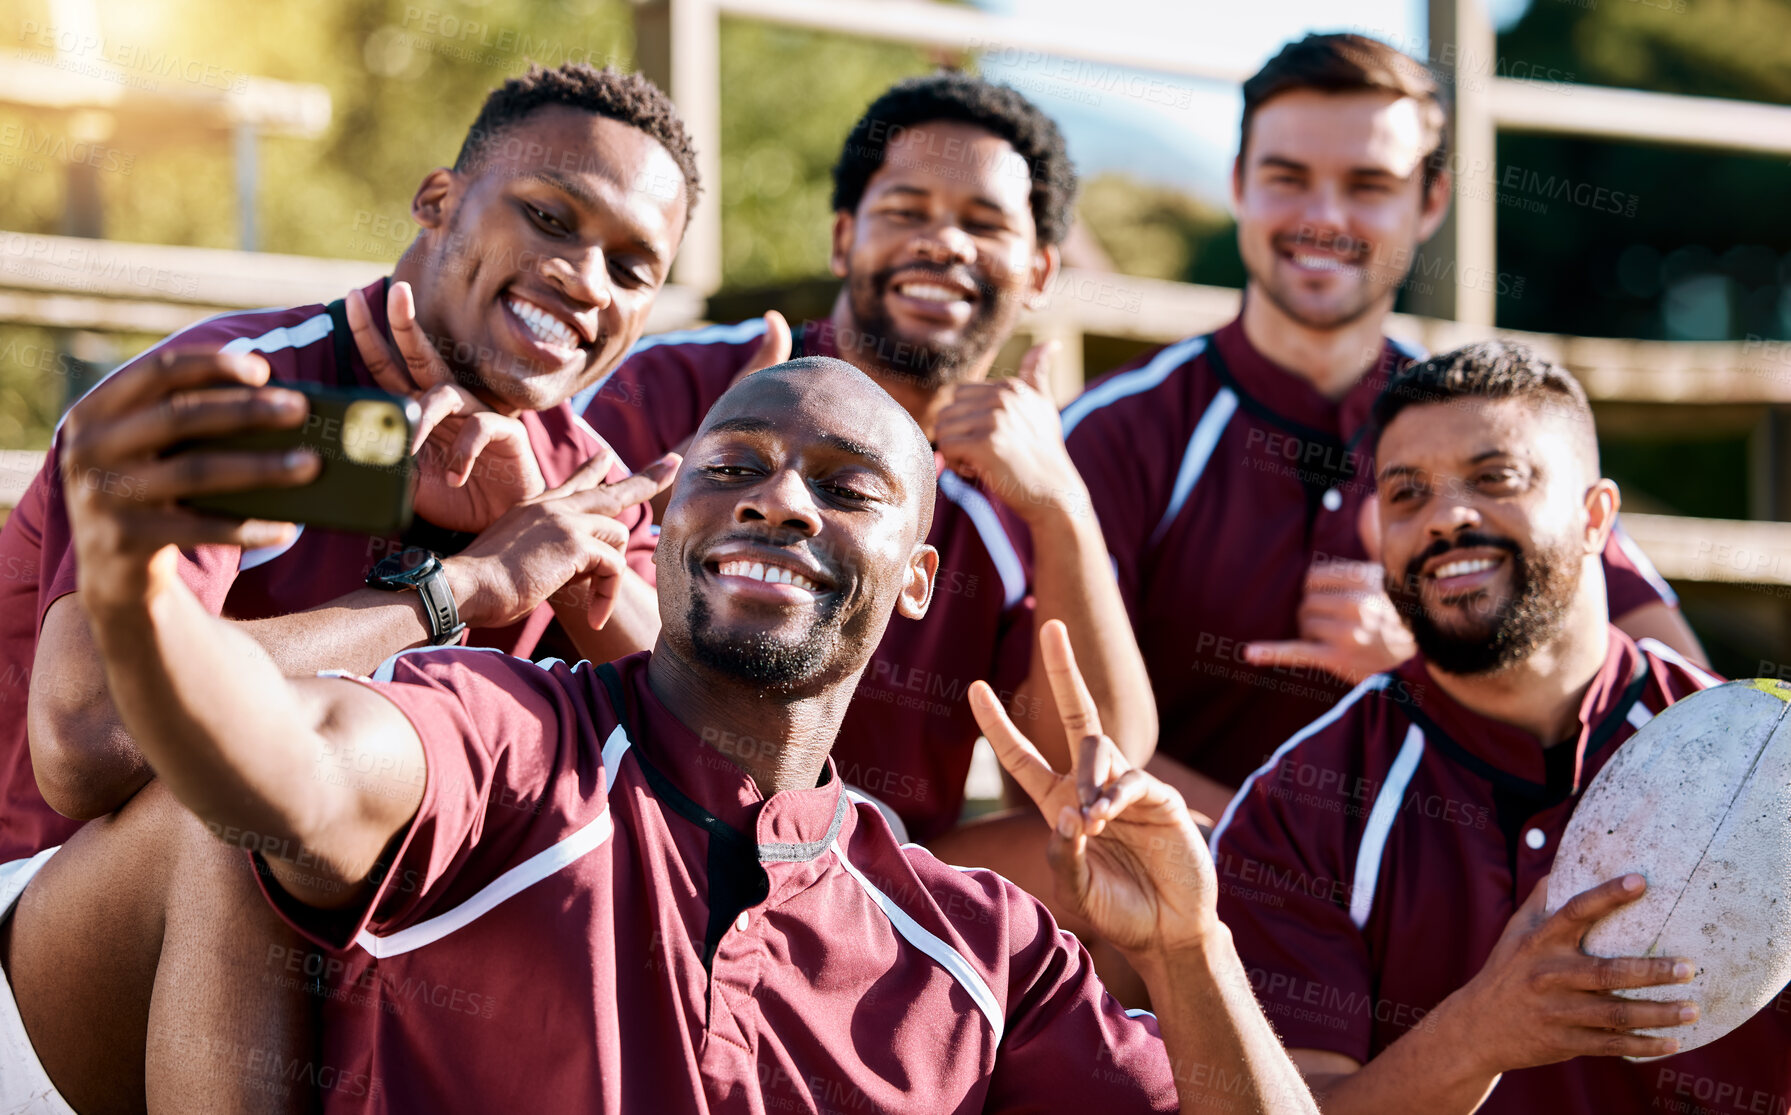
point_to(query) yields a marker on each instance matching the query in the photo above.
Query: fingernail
(1066, 823)
(1632, 883)
(1682, 970)
(1688, 1013)
(296, 458)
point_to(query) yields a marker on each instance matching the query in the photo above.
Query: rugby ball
(1698, 802)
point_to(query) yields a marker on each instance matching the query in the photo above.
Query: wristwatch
(423, 571)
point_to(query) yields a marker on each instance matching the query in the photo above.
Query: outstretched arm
(1008, 435)
(1127, 857)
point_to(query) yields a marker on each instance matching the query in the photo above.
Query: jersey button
(1333, 499)
(1535, 838)
(742, 921)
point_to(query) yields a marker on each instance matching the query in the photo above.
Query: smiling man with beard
(951, 196)
(1228, 469)
(1385, 871)
(603, 901)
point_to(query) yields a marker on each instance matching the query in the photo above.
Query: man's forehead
(796, 406)
(598, 161)
(1354, 130)
(958, 154)
(1462, 431)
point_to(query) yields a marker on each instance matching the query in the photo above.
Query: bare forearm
(633, 626)
(1073, 582)
(1425, 1072)
(355, 632)
(1222, 1051)
(212, 713)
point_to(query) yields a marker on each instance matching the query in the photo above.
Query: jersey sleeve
(1125, 462)
(490, 726)
(657, 398)
(1069, 1045)
(1630, 579)
(1282, 894)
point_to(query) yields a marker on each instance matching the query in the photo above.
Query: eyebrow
(976, 199)
(748, 424)
(1285, 163)
(578, 192)
(1391, 471)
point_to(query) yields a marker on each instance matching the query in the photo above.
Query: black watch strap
(423, 571)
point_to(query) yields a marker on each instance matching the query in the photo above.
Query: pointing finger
(425, 365)
(375, 353)
(1075, 705)
(1015, 751)
(1035, 366)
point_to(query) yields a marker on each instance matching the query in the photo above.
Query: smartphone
(363, 438)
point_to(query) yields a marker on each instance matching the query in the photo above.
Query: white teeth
(770, 574)
(931, 292)
(1463, 568)
(1319, 263)
(543, 324)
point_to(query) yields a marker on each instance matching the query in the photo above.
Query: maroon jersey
(302, 344)
(595, 910)
(1219, 477)
(1369, 867)
(909, 732)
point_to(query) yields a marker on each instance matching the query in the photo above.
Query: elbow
(84, 768)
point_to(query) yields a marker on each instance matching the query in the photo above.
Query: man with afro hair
(951, 199)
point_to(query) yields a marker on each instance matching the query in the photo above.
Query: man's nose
(782, 499)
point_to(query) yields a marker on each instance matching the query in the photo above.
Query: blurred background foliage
(1700, 247)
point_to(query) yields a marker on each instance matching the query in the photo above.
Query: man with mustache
(950, 199)
(538, 259)
(643, 885)
(1385, 871)
(1226, 469)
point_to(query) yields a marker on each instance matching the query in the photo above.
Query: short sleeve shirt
(909, 732)
(300, 345)
(1219, 477)
(1368, 869)
(594, 910)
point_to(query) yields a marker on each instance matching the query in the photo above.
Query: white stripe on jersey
(738, 333)
(524, 875)
(1705, 678)
(994, 535)
(1643, 566)
(1639, 715)
(1373, 684)
(1132, 382)
(1201, 444)
(305, 333)
(921, 938)
(1380, 825)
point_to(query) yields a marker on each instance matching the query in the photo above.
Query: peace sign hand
(1124, 848)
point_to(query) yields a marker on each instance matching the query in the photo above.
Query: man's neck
(1332, 360)
(781, 743)
(922, 403)
(1542, 694)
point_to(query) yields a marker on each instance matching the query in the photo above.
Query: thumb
(1035, 366)
(774, 349)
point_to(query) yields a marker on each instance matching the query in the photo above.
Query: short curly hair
(628, 98)
(958, 96)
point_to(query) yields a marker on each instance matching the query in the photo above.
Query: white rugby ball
(1698, 802)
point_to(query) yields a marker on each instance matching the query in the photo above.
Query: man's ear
(1047, 260)
(1237, 184)
(1435, 205)
(1602, 501)
(845, 226)
(436, 198)
(917, 592)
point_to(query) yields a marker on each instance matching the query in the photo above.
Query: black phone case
(348, 494)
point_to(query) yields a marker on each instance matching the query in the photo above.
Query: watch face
(407, 567)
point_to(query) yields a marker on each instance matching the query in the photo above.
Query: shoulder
(715, 349)
(1330, 762)
(1678, 676)
(480, 675)
(1136, 388)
